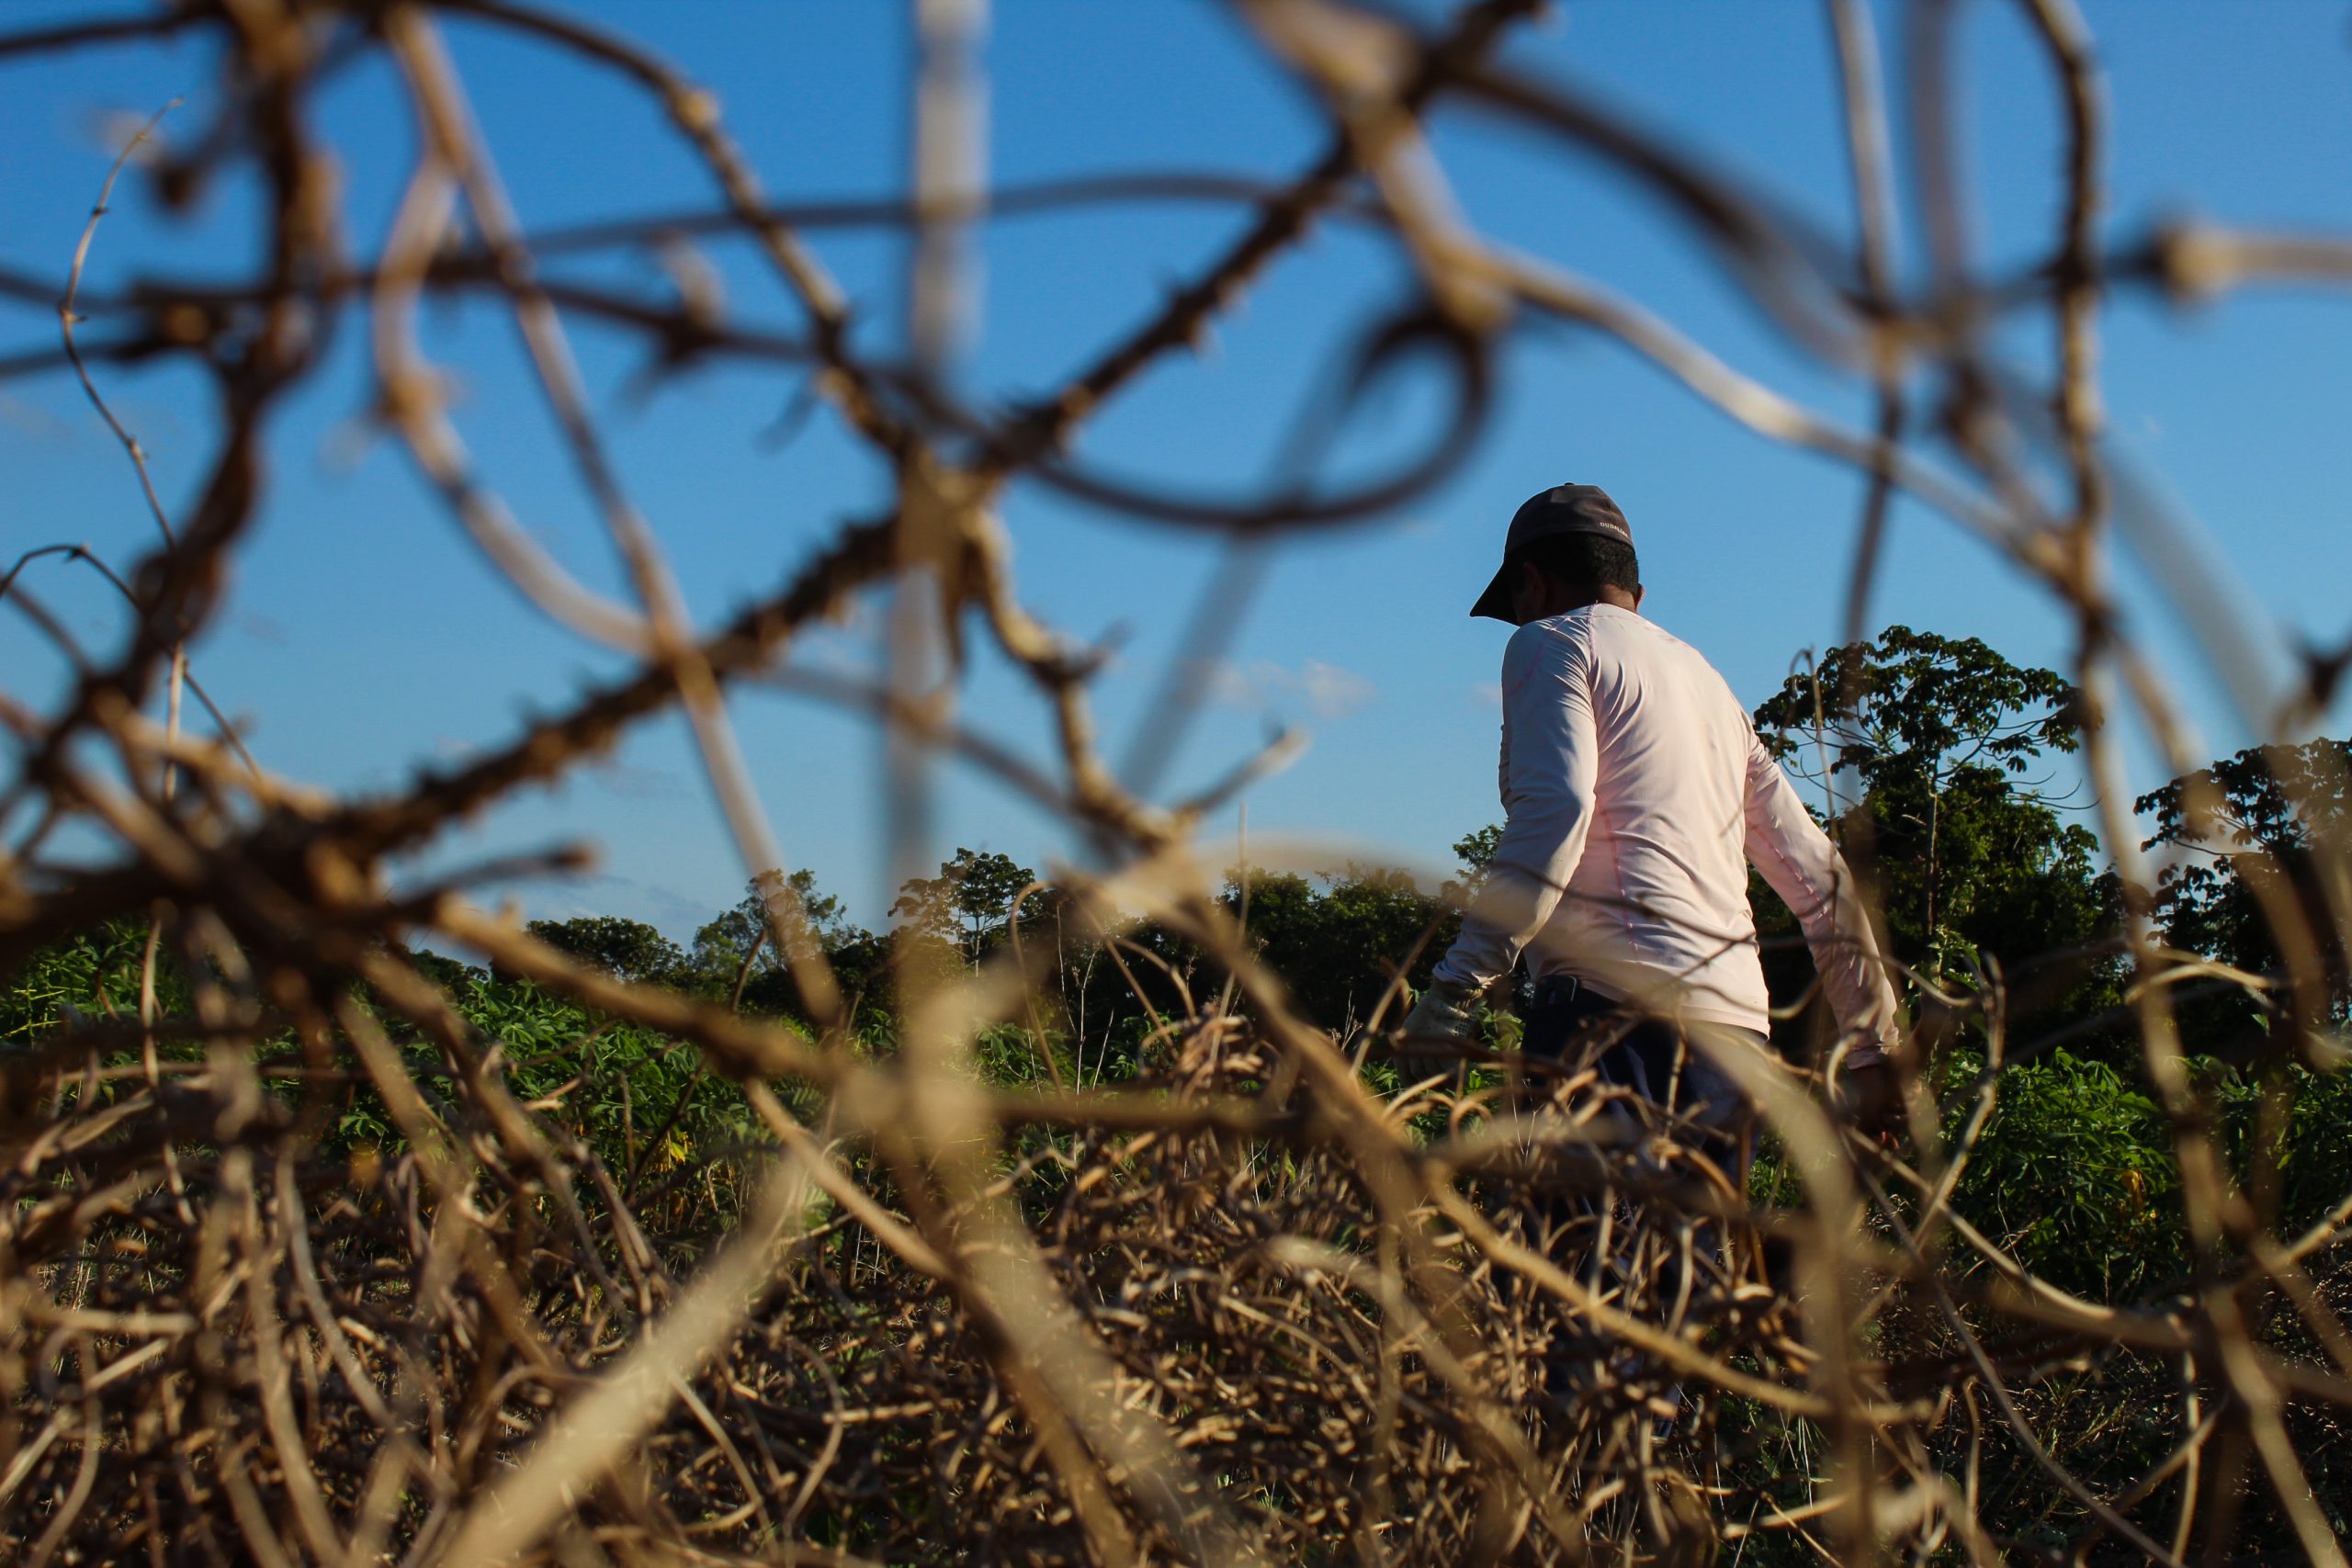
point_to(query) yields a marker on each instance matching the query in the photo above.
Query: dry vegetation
(1239, 1308)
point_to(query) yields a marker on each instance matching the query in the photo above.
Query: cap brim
(1494, 603)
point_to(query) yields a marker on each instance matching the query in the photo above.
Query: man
(1636, 793)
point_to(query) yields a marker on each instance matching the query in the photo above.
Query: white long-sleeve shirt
(1637, 793)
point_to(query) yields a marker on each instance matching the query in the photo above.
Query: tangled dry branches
(1241, 1309)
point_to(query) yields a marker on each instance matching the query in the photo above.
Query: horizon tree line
(1937, 754)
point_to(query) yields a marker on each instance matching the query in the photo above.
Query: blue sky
(364, 636)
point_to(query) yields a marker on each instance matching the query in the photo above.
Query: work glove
(1437, 1034)
(1870, 1092)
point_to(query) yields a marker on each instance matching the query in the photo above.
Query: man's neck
(1610, 595)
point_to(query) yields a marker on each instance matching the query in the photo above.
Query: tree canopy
(626, 949)
(722, 945)
(967, 905)
(2252, 889)
(1936, 754)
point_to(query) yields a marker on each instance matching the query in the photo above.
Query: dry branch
(1240, 1309)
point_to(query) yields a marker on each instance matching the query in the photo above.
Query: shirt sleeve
(1550, 760)
(1804, 868)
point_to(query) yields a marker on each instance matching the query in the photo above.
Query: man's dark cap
(1562, 509)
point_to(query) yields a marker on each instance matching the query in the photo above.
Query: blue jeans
(1650, 1057)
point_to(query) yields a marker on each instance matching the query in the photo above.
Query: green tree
(2254, 829)
(722, 944)
(1334, 939)
(627, 950)
(1939, 748)
(451, 974)
(968, 907)
(1476, 851)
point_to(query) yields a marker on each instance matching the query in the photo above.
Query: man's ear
(1640, 593)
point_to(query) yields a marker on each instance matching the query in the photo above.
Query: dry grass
(1244, 1310)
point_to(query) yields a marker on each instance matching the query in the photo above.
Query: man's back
(1636, 793)
(1625, 775)
(1660, 893)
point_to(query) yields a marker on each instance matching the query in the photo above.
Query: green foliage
(1332, 940)
(641, 1099)
(2075, 1176)
(94, 974)
(1476, 851)
(449, 974)
(1911, 705)
(1933, 745)
(722, 944)
(2250, 829)
(967, 905)
(2314, 1156)
(626, 949)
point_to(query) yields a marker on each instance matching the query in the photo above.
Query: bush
(2075, 1176)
